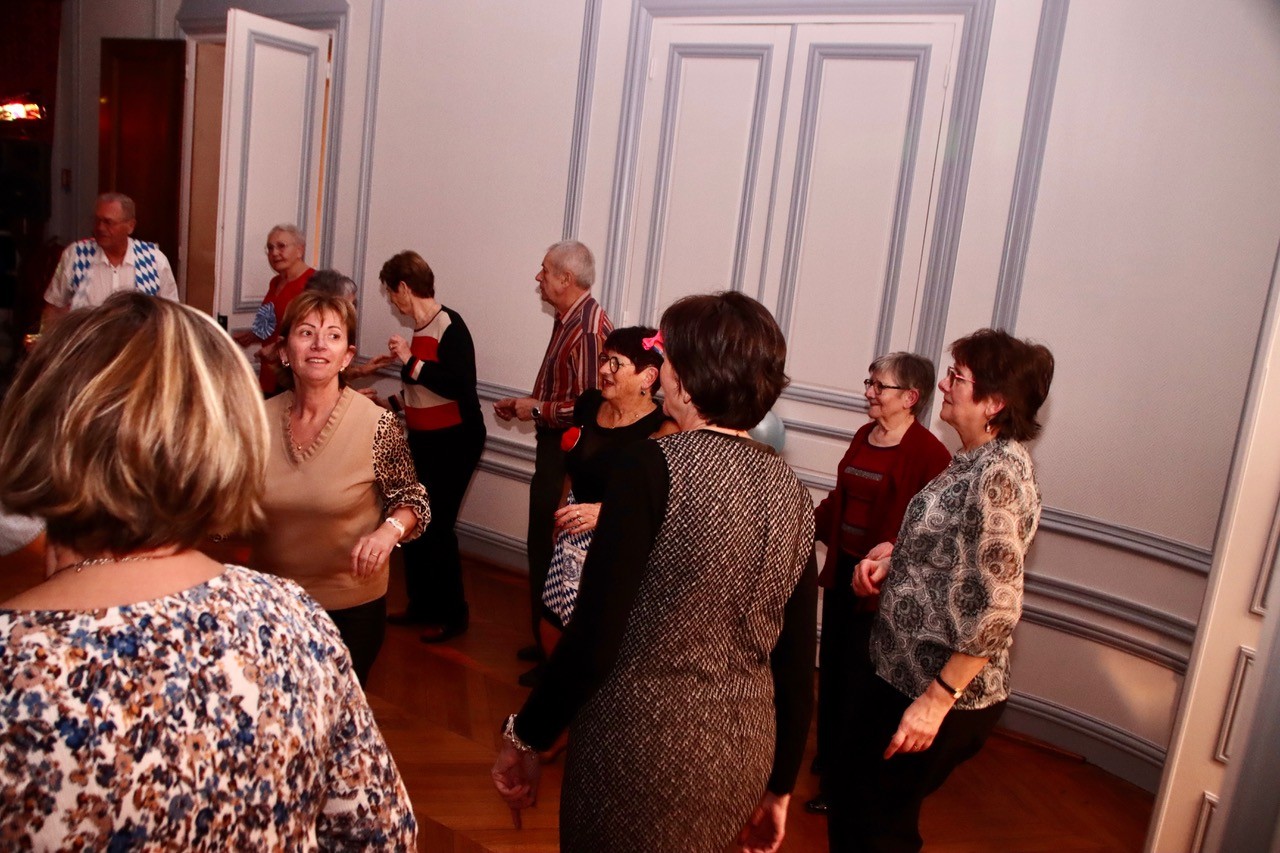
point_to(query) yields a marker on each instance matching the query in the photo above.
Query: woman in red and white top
(446, 438)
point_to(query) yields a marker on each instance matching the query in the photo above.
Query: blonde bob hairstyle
(320, 303)
(132, 426)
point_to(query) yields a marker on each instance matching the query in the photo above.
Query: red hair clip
(657, 343)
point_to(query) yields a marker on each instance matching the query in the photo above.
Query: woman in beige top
(341, 487)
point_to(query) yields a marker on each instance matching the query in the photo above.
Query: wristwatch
(536, 412)
(955, 694)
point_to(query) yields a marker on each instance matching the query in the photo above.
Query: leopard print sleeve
(396, 476)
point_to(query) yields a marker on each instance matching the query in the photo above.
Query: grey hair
(127, 207)
(333, 282)
(290, 229)
(915, 372)
(576, 259)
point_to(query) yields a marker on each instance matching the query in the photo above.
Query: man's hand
(505, 408)
(519, 408)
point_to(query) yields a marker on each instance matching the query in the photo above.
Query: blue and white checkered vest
(146, 277)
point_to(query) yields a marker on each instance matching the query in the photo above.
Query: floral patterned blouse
(223, 717)
(955, 578)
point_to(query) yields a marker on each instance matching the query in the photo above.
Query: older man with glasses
(92, 269)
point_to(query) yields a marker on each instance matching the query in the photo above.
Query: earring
(643, 392)
(284, 363)
(988, 427)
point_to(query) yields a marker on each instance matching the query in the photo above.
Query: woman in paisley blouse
(950, 597)
(342, 491)
(142, 685)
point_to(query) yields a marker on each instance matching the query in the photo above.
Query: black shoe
(531, 653)
(532, 678)
(818, 805)
(405, 617)
(439, 633)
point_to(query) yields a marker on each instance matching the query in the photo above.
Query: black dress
(687, 671)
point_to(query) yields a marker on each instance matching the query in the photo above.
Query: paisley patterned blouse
(955, 579)
(223, 717)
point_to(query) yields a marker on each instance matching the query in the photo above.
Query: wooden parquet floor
(439, 708)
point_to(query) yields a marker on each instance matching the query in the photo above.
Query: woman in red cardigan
(890, 459)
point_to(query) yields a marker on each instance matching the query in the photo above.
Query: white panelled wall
(1099, 175)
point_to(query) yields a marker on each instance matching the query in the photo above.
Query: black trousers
(844, 661)
(446, 460)
(363, 629)
(875, 804)
(545, 490)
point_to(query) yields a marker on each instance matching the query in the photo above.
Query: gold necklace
(102, 561)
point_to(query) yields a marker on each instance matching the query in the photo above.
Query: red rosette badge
(569, 439)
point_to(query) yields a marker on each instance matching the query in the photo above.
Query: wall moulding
(1154, 545)
(1118, 751)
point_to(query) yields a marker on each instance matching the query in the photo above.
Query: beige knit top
(320, 502)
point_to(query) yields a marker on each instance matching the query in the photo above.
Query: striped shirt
(570, 365)
(440, 375)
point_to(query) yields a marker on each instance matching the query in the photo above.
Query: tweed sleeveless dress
(674, 750)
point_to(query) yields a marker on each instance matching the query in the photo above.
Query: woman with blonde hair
(142, 682)
(342, 491)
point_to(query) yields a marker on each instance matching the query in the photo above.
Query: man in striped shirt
(568, 368)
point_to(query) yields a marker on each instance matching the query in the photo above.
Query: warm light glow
(17, 110)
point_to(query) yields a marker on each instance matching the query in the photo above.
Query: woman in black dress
(606, 420)
(687, 671)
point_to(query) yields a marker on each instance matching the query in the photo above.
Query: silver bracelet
(510, 736)
(395, 522)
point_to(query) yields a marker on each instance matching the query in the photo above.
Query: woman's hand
(920, 722)
(515, 775)
(399, 348)
(767, 825)
(869, 575)
(577, 518)
(373, 549)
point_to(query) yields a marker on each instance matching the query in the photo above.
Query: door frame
(206, 20)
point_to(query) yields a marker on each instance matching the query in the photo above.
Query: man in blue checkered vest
(93, 269)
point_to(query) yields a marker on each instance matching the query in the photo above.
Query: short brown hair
(135, 425)
(302, 306)
(729, 354)
(1019, 371)
(413, 270)
(629, 342)
(911, 371)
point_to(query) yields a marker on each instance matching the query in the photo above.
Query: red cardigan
(923, 457)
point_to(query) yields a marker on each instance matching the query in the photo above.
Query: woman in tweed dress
(686, 675)
(951, 597)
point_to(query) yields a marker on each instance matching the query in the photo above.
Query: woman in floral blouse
(951, 595)
(151, 698)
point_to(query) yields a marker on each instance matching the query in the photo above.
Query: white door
(776, 159)
(273, 111)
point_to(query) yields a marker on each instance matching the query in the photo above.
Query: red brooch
(569, 439)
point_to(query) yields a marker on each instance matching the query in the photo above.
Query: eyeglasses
(615, 363)
(953, 375)
(110, 223)
(880, 387)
